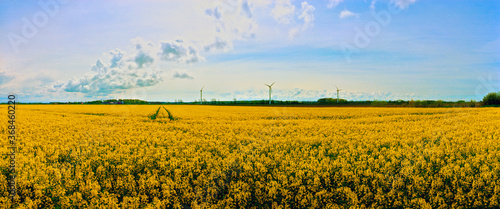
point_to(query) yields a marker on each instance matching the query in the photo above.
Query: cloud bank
(232, 21)
(127, 70)
(299, 94)
(113, 77)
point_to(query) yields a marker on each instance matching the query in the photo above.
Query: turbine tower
(270, 90)
(338, 93)
(201, 95)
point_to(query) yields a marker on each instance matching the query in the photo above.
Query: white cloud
(283, 12)
(245, 7)
(403, 4)
(346, 13)
(233, 21)
(117, 56)
(113, 81)
(104, 80)
(178, 51)
(123, 71)
(144, 57)
(307, 16)
(219, 45)
(333, 3)
(184, 75)
(213, 12)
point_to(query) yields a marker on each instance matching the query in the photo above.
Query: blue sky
(167, 50)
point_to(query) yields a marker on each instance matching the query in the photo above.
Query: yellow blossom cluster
(118, 156)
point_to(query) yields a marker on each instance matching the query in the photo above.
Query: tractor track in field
(155, 115)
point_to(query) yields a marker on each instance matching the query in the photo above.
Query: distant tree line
(491, 99)
(118, 101)
(400, 103)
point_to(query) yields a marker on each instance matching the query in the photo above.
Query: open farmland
(241, 157)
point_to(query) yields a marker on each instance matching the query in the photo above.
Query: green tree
(326, 100)
(492, 98)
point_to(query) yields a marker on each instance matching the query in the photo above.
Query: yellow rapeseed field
(121, 156)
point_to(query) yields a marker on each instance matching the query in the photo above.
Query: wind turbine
(201, 95)
(338, 93)
(270, 90)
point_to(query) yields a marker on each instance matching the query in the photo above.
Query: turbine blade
(273, 83)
